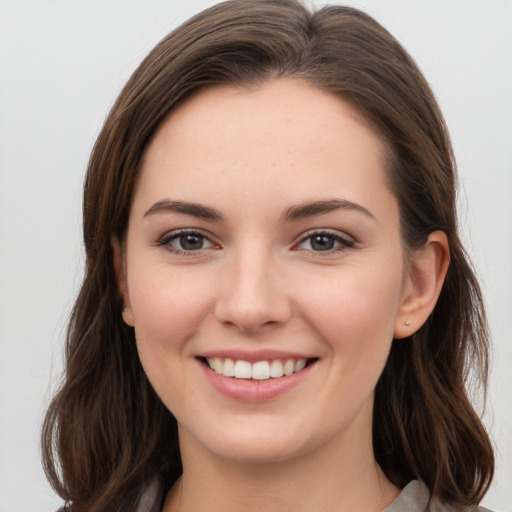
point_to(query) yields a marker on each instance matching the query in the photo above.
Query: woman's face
(263, 237)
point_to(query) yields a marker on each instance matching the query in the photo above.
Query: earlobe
(426, 274)
(120, 270)
(128, 316)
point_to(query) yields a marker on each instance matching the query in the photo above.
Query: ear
(424, 281)
(120, 270)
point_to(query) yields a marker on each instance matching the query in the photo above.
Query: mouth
(258, 370)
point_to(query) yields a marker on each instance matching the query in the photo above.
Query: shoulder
(150, 499)
(415, 498)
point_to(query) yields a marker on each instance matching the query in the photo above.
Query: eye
(185, 241)
(324, 241)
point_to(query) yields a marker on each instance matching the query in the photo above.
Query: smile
(259, 370)
(255, 377)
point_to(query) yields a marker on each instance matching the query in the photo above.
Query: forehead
(274, 105)
(284, 138)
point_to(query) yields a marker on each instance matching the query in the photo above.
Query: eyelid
(165, 241)
(346, 241)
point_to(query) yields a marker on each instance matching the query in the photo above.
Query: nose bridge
(252, 293)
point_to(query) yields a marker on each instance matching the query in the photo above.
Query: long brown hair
(106, 433)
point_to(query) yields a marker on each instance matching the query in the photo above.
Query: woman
(274, 275)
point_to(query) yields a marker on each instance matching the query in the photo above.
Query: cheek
(167, 305)
(355, 309)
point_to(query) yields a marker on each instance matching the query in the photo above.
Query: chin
(260, 452)
(251, 442)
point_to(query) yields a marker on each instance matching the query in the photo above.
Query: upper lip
(253, 356)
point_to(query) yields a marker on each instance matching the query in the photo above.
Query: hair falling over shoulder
(106, 433)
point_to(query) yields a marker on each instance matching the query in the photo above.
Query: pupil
(322, 243)
(191, 242)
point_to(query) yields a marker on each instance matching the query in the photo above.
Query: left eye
(186, 242)
(324, 242)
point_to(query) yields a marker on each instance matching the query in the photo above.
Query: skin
(258, 282)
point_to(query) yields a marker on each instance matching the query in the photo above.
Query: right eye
(324, 242)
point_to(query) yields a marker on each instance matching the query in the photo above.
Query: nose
(252, 294)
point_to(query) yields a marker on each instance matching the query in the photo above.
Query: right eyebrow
(313, 208)
(184, 207)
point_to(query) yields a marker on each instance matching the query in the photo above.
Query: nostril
(249, 304)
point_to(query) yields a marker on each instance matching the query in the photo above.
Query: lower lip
(254, 390)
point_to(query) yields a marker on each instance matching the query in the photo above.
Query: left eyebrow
(185, 208)
(311, 209)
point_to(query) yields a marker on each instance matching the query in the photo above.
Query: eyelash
(344, 243)
(167, 239)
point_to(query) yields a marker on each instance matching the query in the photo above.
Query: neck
(340, 476)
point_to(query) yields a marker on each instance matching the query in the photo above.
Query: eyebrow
(294, 213)
(185, 207)
(311, 209)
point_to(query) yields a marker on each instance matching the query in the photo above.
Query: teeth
(299, 365)
(276, 369)
(288, 367)
(229, 368)
(261, 370)
(217, 364)
(243, 370)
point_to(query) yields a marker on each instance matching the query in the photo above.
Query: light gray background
(61, 65)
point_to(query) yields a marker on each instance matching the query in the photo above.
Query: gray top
(413, 498)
